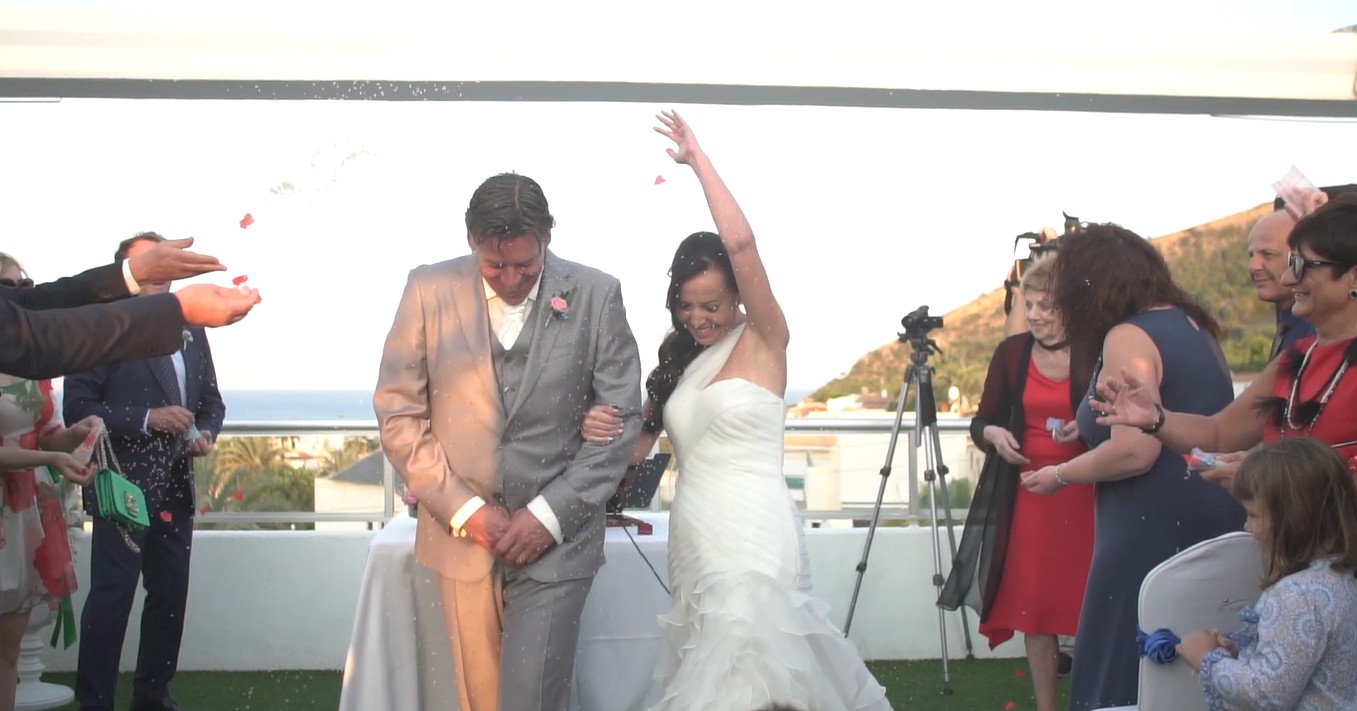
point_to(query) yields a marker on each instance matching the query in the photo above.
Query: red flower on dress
(52, 558)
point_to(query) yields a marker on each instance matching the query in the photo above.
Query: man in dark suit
(62, 327)
(160, 412)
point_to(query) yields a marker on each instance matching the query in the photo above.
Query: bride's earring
(1353, 294)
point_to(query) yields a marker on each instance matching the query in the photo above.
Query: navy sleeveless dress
(1144, 520)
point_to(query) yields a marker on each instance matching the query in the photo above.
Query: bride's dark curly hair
(697, 253)
(1105, 275)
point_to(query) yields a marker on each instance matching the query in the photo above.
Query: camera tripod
(919, 376)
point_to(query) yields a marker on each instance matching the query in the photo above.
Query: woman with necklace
(1122, 309)
(1310, 390)
(1024, 558)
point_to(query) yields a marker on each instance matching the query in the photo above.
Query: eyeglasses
(21, 284)
(1299, 264)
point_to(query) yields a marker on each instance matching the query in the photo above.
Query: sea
(326, 405)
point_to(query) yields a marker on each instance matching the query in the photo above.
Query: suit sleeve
(211, 411)
(51, 344)
(95, 286)
(401, 403)
(591, 478)
(85, 394)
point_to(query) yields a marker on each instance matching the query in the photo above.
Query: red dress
(1336, 423)
(1050, 541)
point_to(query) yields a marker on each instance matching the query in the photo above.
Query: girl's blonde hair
(1308, 500)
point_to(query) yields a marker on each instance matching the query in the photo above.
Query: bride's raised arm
(751, 279)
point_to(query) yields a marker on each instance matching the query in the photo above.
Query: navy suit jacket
(122, 395)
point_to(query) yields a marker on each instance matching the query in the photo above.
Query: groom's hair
(508, 206)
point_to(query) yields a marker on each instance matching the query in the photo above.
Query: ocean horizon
(326, 405)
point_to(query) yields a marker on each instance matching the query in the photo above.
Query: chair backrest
(1203, 587)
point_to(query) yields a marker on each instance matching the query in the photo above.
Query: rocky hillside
(1208, 260)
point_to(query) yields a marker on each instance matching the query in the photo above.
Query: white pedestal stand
(33, 694)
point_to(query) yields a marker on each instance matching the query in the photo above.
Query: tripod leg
(880, 496)
(934, 439)
(931, 458)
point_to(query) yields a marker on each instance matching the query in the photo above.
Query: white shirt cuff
(542, 510)
(133, 287)
(459, 519)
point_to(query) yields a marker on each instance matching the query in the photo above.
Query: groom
(490, 365)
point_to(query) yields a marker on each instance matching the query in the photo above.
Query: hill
(1207, 260)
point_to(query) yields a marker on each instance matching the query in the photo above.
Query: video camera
(1042, 243)
(919, 323)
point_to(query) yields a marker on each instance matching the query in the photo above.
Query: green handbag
(119, 500)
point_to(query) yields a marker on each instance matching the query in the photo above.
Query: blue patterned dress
(1297, 648)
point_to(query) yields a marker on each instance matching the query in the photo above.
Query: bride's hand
(678, 131)
(601, 424)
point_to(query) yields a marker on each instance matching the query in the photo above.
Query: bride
(744, 631)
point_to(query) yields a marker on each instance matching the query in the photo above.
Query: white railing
(907, 446)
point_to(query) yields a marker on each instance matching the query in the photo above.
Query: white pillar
(32, 693)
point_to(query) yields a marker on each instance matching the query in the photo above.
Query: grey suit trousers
(513, 639)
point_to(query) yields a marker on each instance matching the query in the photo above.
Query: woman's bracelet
(1058, 480)
(1158, 420)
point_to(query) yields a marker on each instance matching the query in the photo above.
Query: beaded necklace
(1290, 406)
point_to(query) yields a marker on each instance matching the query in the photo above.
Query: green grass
(980, 685)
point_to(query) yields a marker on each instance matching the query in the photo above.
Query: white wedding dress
(744, 630)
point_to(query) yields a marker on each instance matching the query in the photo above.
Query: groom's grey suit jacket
(454, 430)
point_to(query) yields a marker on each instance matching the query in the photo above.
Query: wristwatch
(1158, 420)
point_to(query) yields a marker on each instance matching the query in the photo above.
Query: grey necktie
(163, 368)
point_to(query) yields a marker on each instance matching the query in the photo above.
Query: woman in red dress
(1310, 390)
(1024, 558)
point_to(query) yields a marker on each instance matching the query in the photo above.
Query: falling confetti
(1020, 674)
(1009, 706)
(204, 509)
(240, 280)
(246, 221)
(166, 516)
(239, 495)
(659, 179)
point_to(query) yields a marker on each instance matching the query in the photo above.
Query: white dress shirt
(507, 322)
(177, 358)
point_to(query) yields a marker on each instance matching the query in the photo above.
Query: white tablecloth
(399, 656)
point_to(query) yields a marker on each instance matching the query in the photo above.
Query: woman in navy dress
(1123, 311)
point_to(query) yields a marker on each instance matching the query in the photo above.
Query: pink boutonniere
(560, 304)
(408, 498)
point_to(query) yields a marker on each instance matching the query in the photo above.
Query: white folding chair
(1203, 587)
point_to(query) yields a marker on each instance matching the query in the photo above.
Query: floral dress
(35, 560)
(1297, 648)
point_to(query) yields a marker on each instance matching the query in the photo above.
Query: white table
(399, 656)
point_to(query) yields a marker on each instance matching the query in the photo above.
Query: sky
(861, 215)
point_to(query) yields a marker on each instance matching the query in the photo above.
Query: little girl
(1298, 646)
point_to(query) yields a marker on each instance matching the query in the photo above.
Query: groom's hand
(525, 541)
(487, 526)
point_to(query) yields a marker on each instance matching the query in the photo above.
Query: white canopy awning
(189, 51)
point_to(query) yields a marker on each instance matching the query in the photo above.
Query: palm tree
(249, 453)
(354, 449)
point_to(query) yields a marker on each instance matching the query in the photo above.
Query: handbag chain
(104, 456)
